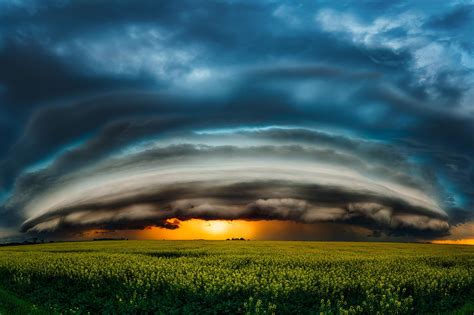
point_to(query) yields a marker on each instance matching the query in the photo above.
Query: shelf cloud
(153, 113)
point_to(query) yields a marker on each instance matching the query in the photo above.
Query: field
(243, 277)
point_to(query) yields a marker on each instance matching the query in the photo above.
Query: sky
(325, 120)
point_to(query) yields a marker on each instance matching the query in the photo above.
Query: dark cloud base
(247, 201)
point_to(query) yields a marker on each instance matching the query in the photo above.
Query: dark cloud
(313, 72)
(30, 67)
(257, 200)
(455, 18)
(116, 120)
(335, 150)
(52, 127)
(382, 90)
(209, 202)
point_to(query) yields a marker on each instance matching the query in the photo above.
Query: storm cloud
(125, 115)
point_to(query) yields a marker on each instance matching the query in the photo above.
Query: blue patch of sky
(350, 134)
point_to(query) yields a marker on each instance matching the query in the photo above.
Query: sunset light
(217, 227)
(202, 229)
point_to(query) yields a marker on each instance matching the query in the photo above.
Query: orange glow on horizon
(468, 241)
(225, 229)
(255, 230)
(202, 229)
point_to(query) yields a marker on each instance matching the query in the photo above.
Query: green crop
(219, 277)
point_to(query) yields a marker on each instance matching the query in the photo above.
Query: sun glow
(218, 227)
(202, 229)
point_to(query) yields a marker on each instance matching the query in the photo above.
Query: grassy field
(243, 277)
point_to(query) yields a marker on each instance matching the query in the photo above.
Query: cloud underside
(269, 173)
(147, 211)
(186, 182)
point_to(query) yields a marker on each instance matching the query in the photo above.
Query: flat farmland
(236, 277)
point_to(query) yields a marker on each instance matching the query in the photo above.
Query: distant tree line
(237, 239)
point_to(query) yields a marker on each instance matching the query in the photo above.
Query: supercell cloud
(124, 115)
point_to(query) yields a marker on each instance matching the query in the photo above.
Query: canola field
(236, 277)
